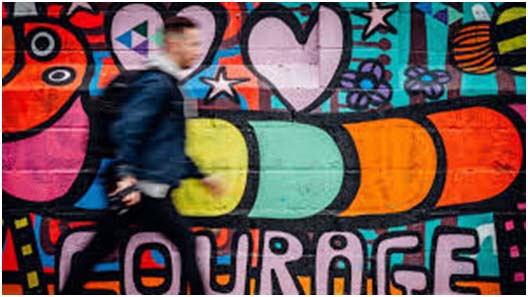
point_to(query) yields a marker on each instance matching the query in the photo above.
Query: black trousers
(153, 214)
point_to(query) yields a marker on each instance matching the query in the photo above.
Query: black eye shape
(58, 76)
(43, 44)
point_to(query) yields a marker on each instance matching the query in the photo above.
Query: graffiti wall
(369, 148)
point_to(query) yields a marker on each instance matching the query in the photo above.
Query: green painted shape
(142, 28)
(453, 15)
(157, 38)
(301, 170)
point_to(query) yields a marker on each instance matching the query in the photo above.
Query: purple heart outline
(301, 65)
(211, 19)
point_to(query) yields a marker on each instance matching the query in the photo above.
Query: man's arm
(191, 170)
(137, 117)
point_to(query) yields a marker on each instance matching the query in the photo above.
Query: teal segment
(520, 84)
(276, 103)
(399, 53)
(437, 39)
(296, 9)
(474, 85)
(325, 106)
(301, 170)
(487, 257)
(430, 227)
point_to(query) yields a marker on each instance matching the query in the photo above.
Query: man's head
(182, 43)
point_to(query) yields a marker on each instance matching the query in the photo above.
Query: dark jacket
(149, 134)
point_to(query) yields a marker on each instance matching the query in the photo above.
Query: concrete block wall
(367, 148)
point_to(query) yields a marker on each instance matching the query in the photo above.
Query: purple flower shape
(429, 82)
(367, 86)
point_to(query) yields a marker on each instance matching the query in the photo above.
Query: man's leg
(107, 231)
(160, 215)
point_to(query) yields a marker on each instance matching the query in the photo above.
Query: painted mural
(368, 148)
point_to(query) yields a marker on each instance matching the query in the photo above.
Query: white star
(377, 18)
(220, 84)
(83, 5)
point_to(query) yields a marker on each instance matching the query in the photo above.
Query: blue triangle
(126, 39)
(424, 7)
(441, 16)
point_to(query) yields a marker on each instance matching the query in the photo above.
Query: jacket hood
(163, 63)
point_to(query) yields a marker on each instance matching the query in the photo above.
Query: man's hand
(215, 184)
(132, 198)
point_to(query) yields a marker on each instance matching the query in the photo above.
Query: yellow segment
(27, 250)
(21, 223)
(511, 14)
(32, 279)
(520, 69)
(218, 148)
(512, 44)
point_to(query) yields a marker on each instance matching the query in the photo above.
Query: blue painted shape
(95, 197)
(93, 88)
(223, 260)
(441, 16)
(157, 257)
(113, 266)
(425, 7)
(126, 39)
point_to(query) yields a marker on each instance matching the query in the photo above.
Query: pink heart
(133, 50)
(301, 65)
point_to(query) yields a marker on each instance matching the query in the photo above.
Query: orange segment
(397, 163)
(483, 154)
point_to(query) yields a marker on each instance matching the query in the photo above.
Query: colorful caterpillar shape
(482, 47)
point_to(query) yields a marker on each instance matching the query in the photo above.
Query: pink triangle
(137, 39)
(520, 109)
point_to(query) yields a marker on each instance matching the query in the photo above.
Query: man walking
(149, 138)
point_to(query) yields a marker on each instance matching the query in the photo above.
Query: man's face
(185, 48)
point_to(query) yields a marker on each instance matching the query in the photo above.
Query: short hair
(177, 24)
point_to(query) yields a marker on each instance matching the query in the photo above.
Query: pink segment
(514, 251)
(509, 225)
(521, 205)
(43, 167)
(518, 277)
(520, 109)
